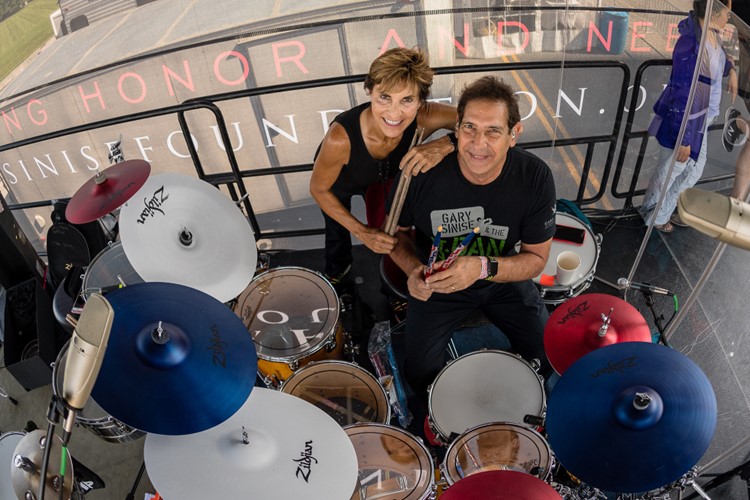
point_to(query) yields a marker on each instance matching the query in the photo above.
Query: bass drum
(93, 417)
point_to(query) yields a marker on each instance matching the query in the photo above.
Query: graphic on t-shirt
(461, 221)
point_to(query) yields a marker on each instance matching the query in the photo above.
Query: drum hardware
(28, 466)
(176, 344)
(293, 450)
(4, 394)
(656, 407)
(177, 223)
(581, 325)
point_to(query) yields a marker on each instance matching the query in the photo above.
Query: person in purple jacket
(671, 106)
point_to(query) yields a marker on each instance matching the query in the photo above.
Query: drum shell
(483, 387)
(384, 448)
(93, 417)
(588, 252)
(497, 446)
(293, 315)
(321, 382)
(8, 443)
(107, 268)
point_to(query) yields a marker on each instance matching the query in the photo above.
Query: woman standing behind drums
(366, 146)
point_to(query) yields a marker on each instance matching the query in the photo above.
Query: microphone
(624, 284)
(85, 355)
(719, 216)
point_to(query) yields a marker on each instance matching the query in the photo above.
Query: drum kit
(191, 333)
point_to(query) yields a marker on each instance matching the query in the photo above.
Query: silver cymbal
(275, 446)
(178, 229)
(26, 468)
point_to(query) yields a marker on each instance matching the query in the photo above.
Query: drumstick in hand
(433, 251)
(399, 197)
(460, 248)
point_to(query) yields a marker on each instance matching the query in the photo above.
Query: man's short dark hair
(490, 88)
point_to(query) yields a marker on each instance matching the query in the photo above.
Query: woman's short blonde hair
(400, 67)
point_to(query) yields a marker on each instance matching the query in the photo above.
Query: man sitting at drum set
(509, 195)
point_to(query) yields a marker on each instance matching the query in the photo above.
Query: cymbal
(600, 435)
(501, 485)
(193, 374)
(182, 230)
(275, 446)
(26, 477)
(107, 191)
(576, 327)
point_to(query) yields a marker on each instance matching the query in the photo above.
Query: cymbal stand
(649, 296)
(4, 394)
(742, 470)
(681, 484)
(131, 495)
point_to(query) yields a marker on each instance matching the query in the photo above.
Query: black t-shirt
(517, 206)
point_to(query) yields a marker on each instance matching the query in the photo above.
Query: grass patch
(23, 33)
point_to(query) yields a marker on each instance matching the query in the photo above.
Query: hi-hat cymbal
(107, 191)
(178, 361)
(25, 471)
(178, 229)
(577, 327)
(501, 485)
(631, 417)
(275, 446)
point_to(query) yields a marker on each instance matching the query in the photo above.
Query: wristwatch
(492, 268)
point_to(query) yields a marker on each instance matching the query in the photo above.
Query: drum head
(392, 463)
(291, 312)
(346, 392)
(8, 443)
(588, 253)
(484, 387)
(500, 446)
(107, 269)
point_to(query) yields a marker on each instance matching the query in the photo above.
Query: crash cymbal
(584, 323)
(501, 485)
(275, 446)
(631, 417)
(25, 470)
(178, 229)
(178, 361)
(107, 191)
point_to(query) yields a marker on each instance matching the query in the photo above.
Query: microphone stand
(649, 296)
(54, 412)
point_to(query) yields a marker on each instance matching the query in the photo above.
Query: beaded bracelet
(485, 268)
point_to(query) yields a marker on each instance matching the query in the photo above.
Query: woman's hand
(376, 240)
(422, 158)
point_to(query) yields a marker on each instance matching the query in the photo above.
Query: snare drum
(482, 387)
(110, 267)
(347, 393)
(292, 314)
(93, 417)
(8, 443)
(588, 252)
(392, 463)
(497, 446)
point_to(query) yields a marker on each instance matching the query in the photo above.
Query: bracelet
(485, 268)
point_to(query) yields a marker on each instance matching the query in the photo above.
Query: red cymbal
(576, 328)
(107, 191)
(501, 485)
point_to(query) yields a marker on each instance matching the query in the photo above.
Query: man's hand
(376, 240)
(416, 284)
(683, 153)
(460, 275)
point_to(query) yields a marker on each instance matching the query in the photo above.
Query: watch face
(493, 267)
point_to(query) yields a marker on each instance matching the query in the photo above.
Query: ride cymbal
(584, 323)
(25, 470)
(107, 191)
(275, 446)
(182, 230)
(501, 485)
(631, 417)
(178, 361)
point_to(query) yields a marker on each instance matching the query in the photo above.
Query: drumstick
(460, 248)
(334, 406)
(433, 251)
(403, 186)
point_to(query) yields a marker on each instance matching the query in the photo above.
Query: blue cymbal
(178, 360)
(631, 417)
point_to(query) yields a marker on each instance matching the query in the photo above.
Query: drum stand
(649, 296)
(4, 394)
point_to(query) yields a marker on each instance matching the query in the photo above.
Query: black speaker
(18, 259)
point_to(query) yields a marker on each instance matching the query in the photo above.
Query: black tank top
(362, 170)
